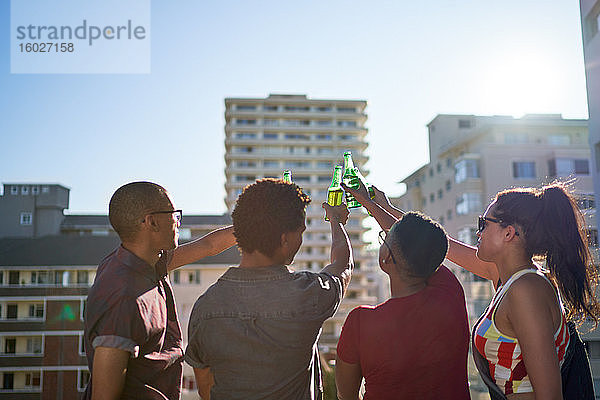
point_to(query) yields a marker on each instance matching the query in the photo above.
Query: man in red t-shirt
(415, 345)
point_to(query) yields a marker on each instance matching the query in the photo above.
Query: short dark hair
(264, 211)
(131, 202)
(421, 242)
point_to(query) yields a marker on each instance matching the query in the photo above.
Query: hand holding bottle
(336, 213)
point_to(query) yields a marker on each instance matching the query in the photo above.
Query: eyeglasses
(382, 237)
(482, 221)
(178, 213)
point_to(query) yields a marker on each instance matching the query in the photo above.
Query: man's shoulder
(113, 281)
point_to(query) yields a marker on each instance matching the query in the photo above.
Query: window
(11, 311)
(323, 137)
(566, 166)
(324, 122)
(324, 150)
(40, 278)
(516, 138)
(325, 178)
(14, 190)
(197, 276)
(245, 164)
(324, 164)
(438, 168)
(245, 178)
(296, 164)
(270, 108)
(449, 215)
(10, 345)
(270, 164)
(559, 140)
(245, 121)
(464, 123)
(243, 150)
(26, 218)
(347, 137)
(301, 178)
(245, 108)
(83, 277)
(431, 198)
(464, 169)
(35, 190)
(83, 378)
(440, 194)
(348, 124)
(593, 348)
(346, 109)
(34, 345)
(13, 277)
(24, 189)
(176, 276)
(269, 135)
(323, 109)
(45, 189)
(468, 203)
(245, 135)
(430, 172)
(295, 108)
(296, 122)
(8, 380)
(448, 185)
(294, 136)
(32, 379)
(36, 310)
(270, 122)
(523, 169)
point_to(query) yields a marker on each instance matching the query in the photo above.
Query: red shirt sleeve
(347, 348)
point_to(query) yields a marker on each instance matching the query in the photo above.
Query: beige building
(474, 157)
(265, 136)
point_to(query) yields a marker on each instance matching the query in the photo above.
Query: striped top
(503, 352)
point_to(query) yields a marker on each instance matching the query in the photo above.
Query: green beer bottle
(287, 176)
(365, 183)
(335, 191)
(350, 179)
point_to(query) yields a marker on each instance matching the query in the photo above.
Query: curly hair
(264, 211)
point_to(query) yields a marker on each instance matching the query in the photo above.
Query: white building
(265, 136)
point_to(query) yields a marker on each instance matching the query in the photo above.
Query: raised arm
(465, 256)
(208, 245)
(342, 262)
(459, 253)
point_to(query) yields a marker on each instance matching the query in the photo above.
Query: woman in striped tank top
(523, 334)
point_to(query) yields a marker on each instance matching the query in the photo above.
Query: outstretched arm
(208, 245)
(386, 214)
(342, 261)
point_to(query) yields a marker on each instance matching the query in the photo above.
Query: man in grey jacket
(253, 334)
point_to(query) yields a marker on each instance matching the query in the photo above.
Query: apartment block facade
(265, 136)
(44, 281)
(474, 157)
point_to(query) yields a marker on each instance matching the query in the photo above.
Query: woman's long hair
(552, 226)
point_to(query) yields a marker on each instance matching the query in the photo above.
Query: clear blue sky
(409, 60)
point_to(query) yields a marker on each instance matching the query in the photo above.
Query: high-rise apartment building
(474, 157)
(265, 136)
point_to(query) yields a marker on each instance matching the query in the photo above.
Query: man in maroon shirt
(415, 345)
(132, 334)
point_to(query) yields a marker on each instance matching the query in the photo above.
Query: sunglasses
(382, 236)
(482, 221)
(178, 214)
